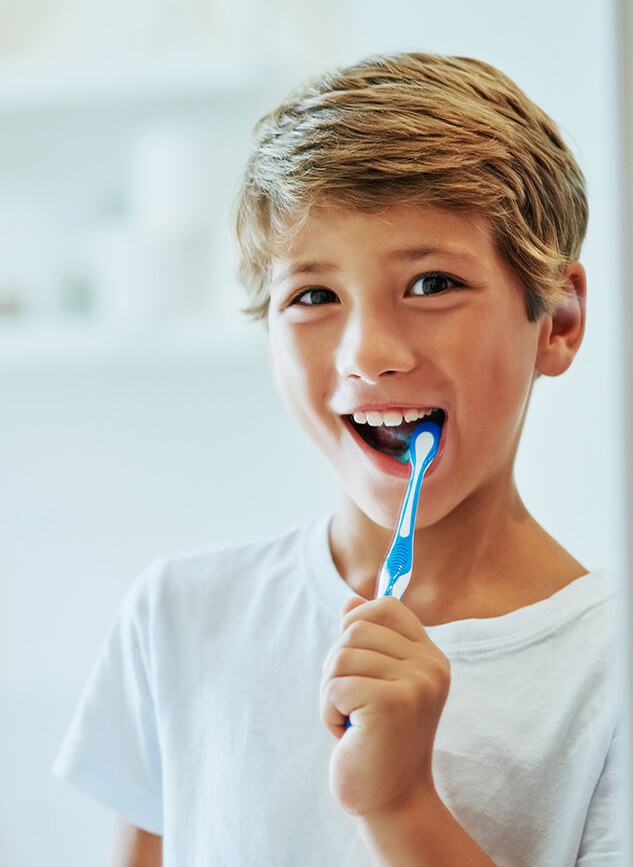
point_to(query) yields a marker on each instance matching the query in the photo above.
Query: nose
(373, 344)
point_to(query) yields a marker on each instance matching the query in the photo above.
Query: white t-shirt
(201, 722)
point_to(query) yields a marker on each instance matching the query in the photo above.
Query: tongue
(393, 440)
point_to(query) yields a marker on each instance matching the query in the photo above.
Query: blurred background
(134, 395)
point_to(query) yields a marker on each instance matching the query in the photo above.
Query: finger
(389, 612)
(364, 635)
(350, 604)
(341, 697)
(348, 668)
(366, 701)
(360, 662)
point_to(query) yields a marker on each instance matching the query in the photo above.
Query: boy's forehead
(397, 232)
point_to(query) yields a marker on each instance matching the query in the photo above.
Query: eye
(315, 297)
(434, 284)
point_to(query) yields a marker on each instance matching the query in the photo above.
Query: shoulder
(209, 577)
(582, 614)
(191, 605)
(588, 603)
(595, 597)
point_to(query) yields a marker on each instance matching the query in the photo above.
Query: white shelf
(32, 86)
(67, 129)
(30, 344)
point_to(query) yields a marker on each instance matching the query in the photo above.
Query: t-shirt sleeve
(112, 748)
(602, 841)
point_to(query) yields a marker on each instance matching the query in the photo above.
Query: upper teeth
(391, 418)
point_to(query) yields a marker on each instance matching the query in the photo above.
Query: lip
(386, 464)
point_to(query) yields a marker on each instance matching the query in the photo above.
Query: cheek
(511, 389)
(282, 355)
(294, 370)
(497, 369)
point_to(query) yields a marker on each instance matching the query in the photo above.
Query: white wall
(107, 462)
(102, 468)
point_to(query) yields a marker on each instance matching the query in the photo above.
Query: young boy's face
(381, 314)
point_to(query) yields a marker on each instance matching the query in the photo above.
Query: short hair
(418, 129)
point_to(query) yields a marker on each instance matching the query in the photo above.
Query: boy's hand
(388, 677)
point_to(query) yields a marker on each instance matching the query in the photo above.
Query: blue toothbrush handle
(396, 570)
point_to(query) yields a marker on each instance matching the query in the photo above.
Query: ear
(562, 331)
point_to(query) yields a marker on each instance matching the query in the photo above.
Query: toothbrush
(396, 570)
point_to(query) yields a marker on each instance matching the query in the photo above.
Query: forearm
(421, 833)
(133, 847)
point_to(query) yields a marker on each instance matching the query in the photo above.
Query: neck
(485, 559)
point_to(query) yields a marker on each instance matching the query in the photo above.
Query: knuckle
(327, 699)
(342, 661)
(431, 681)
(388, 610)
(443, 672)
(356, 631)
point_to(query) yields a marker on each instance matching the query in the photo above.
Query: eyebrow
(407, 254)
(308, 268)
(413, 254)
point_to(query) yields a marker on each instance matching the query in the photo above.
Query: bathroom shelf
(67, 133)
(38, 344)
(28, 87)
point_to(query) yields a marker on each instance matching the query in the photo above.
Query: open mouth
(390, 432)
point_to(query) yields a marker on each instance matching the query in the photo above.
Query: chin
(383, 511)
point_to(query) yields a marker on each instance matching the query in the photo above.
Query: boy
(409, 229)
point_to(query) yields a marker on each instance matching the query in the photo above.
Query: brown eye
(316, 297)
(432, 284)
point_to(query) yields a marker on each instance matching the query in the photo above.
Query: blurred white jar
(155, 261)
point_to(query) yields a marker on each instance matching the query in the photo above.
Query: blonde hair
(419, 129)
